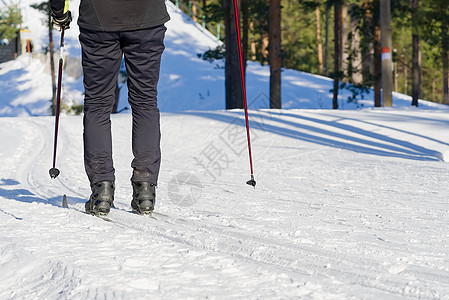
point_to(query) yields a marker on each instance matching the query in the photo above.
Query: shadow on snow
(348, 137)
(24, 195)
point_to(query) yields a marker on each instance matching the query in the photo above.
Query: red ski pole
(236, 13)
(54, 172)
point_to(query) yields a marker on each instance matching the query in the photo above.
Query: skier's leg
(143, 49)
(101, 58)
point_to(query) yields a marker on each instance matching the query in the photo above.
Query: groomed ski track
(348, 205)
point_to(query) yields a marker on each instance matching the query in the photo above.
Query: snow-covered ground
(349, 204)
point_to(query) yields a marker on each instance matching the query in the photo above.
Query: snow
(349, 203)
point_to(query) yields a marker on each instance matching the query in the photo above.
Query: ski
(148, 214)
(106, 218)
(157, 215)
(103, 217)
(151, 215)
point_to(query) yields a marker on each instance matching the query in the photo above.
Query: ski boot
(144, 197)
(101, 199)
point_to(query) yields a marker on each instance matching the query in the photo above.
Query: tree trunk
(253, 42)
(405, 80)
(17, 49)
(326, 41)
(445, 60)
(344, 39)
(434, 90)
(275, 53)
(368, 46)
(377, 67)
(386, 44)
(416, 56)
(52, 66)
(245, 27)
(318, 37)
(395, 77)
(233, 83)
(356, 55)
(337, 51)
(194, 11)
(263, 42)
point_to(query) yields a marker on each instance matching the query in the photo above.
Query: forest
(307, 31)
(340, 39)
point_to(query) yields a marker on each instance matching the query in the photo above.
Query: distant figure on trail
(109, 30)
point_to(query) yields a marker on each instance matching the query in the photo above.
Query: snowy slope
(186, 82)
(348, 204)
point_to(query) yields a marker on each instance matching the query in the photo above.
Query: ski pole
(251, 182)
(54, 172)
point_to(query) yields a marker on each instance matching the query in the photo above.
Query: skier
(109, 30)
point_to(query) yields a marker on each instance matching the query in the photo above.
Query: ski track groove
(31, 174)
(279, 256)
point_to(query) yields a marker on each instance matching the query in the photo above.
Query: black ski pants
(102, 54)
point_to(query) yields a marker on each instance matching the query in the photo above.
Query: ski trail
(327, 232)
(39, 185)
(34, 169)
(297, 258)
(35, 180)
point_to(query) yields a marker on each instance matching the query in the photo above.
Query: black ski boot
(101, 199)
(144, 197)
